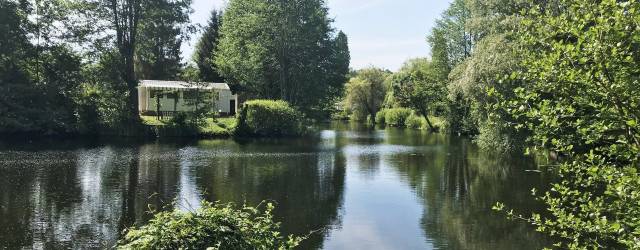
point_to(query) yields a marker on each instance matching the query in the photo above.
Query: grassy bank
(218, 128)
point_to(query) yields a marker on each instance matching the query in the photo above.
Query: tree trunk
(426, 117)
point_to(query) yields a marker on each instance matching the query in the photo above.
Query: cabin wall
(168, 104)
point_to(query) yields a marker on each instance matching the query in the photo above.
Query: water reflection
(368, 189)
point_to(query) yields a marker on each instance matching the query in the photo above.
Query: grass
(152, 121)
(220, 127)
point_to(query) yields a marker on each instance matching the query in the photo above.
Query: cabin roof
(182, 85)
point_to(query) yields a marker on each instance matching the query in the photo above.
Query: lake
(359, 188)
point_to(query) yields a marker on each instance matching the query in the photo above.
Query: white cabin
(175, 96)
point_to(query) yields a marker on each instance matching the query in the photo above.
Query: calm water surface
(368, 189)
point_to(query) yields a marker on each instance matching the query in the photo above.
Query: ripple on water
(381, 149)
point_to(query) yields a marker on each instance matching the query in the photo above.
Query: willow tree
(366, 93)
(281, 49)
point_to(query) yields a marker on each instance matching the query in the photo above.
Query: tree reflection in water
(391, 188)
(458, 184)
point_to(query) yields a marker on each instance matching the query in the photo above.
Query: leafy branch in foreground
(213, 226)
(580, 99)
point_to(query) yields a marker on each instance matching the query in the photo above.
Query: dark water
(383, 189)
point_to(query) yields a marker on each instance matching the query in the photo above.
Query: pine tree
(206, 48)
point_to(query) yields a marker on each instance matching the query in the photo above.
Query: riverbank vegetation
(516, 75)
(212, 226)
(560, 76)
(73, 67)
(220, 127)
(534, 75)
(267, 118)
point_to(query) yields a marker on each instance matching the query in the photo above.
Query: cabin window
(172, 95)
(156, 93)
(190, 95)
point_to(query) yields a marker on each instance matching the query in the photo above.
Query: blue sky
(382, 33)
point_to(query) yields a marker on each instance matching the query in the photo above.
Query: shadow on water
(367, 188)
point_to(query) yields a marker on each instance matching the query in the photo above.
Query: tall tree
(366, 92)
(452, 42)
(206, 47)
(336, 72)
(451, 38)
(279, 49)
(124, 17)
(164, 26)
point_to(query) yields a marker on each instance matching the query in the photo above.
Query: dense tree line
(74, 66)
(69, 67)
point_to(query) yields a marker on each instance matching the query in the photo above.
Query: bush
(213, 226)
(415, 121)
(397, 117)
(380, 119)
(439, 123)
(267, 118)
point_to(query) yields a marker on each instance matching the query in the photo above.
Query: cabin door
(232, 107)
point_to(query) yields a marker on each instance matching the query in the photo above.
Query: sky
(382, 33)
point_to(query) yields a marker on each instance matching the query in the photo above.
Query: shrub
(380, 117)
(415, 121)
(268, 118)
(180, 119)
(213, 226)
(439, 123)
(397, 117)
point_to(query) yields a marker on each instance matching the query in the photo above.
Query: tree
(206, 47)
(40, 75)
(494, 55)
(580, 98)
(164, 26)
(452, 42)
(451, 39)
(439, 54)
(281, 50)
(124, 18)
(201, 98)
(366, 92)
(416, 86)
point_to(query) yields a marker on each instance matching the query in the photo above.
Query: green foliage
(580, 98)
(415, 121)
(102, 81)
(451, 40)
(40, 81)
(267, 118)
(416, 86)
(478, 81)
(213, 226)
(206, 47)
(164, 26)
(397, 117)
(366, 93)
(283, 50)
(380, 117)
